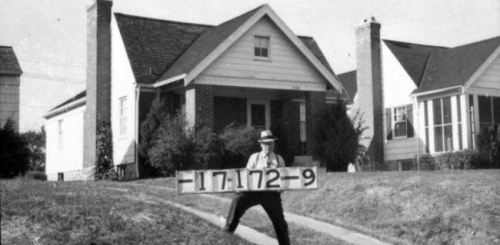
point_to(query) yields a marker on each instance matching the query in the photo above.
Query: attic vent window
(261, 44)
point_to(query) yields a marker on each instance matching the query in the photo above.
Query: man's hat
(266, 136)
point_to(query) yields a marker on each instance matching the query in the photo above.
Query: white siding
(286, 62)
(397, 87)
(488, 83)
(122, 84)
(69, 156)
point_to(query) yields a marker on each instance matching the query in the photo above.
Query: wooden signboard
(236, 180)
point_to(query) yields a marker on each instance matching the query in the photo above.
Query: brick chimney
(369, 81)
(98, 98)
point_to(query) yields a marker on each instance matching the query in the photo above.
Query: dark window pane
(257, 51)
(437, 112)
(447, 110)
(400, 129)
(484, 104)
(496, 109)
(459, 110)
(264, 52)
(448, 138)
(427, 140)
(438, 139)
(426, 112)
(258, 115)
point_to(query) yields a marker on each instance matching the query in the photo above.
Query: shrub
(239, 144)
(339, 140)
(177, 147)
(36, 145)
(36, 175)
(104, 169)
(467, 159)
(14, 152)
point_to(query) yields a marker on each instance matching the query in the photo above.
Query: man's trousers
(270, 201)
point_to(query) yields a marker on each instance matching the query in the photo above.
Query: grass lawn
(431, 207)
(35, 212)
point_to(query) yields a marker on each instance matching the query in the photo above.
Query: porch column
(199, 105)
(315, 108)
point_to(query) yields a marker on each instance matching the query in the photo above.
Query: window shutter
(388, 125)
(409, 122)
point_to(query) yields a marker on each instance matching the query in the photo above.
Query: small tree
(151, 125)
(36, 145)
(339, 140)
(104, 154)
(14, 152)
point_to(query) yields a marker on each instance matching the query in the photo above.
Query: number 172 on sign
(230, 180)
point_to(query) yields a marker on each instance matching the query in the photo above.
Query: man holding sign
(270, 200)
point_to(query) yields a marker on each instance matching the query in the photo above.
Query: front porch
(292, 115)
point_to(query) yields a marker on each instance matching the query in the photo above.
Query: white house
(421, 99)
(251, 70)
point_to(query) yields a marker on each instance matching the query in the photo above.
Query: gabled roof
(172, 49)
(350, 82)
(59, 108)
(454, 67)
(153, 45)
(9, 65)
(413, 57)
(205, 44)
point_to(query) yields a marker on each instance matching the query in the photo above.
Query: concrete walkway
(332, 230)
(244, 232)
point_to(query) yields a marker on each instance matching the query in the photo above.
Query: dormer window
(261, 44)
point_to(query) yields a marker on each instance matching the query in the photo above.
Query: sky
(49, 36)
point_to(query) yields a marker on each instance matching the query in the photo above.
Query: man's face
(267, 147)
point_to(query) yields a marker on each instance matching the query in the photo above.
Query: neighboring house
(10, 80)
(420, 99)
(251, 70)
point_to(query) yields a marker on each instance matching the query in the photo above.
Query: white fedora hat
(266, 136)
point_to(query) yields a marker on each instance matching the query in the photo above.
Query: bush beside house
(340, 137)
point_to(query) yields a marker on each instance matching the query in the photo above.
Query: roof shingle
(9, 65)
(454, 67)
(413, 57)
(170, 48)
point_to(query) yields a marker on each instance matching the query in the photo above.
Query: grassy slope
(438, 207)
(36, 212)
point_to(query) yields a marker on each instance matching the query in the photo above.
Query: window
(443, 130)
(60, 134)
(60, 176)
(123, 115)
(489, 112)
(303, 127)
(258, 114)
(261, 46)
(399, 121)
